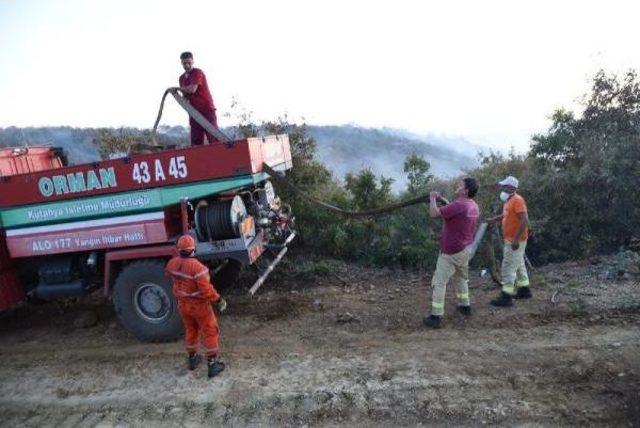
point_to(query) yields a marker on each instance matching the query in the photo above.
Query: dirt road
(348, 347)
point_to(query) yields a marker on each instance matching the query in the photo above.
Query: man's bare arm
(494, 219)
(186, 90)
(443, 200)
(434, 211)
(191, 89)
(524, 219)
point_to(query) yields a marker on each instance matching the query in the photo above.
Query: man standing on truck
(193, 85)
(460, 221)
(514, 233)
(195, 293)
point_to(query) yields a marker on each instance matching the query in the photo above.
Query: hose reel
(217, 220)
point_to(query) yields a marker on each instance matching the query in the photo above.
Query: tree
(591, 168)
(365, 190)
(418, 176)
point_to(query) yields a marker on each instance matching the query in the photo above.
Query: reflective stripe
(199, 274)
(462, 295)
(184, 275)
(437, 308)
(180, 274)
(508, 288)
(183, 294)
(522, 283)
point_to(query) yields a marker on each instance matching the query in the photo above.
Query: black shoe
(432, 321)
(193, 361)
(504, 300)
(523, 293)
(465, 310)
(215, 367)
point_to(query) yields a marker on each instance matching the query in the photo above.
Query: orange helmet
(186, 243)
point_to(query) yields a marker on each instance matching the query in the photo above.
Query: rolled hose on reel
(218, 220)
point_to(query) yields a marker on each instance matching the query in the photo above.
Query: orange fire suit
(194, 292)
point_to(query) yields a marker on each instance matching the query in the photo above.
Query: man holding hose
(193, 85)
(460, 222)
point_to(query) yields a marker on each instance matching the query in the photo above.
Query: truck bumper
(246, 250)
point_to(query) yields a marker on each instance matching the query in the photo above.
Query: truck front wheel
(144, 302)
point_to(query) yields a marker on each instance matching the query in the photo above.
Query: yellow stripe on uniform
(508, 288)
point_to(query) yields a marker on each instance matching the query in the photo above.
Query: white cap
(509, 181)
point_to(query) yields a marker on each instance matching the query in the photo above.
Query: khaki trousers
(514, 269)
(454, 267)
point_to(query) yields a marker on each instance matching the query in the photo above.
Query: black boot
(523, 293)
(504, 300)
(215, 367)
(465, 310)
(432, 321)
(193, 361)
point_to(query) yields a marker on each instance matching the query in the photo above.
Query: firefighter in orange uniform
(195, 293)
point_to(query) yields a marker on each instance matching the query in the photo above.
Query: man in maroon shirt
(460, 221)
(193, 85)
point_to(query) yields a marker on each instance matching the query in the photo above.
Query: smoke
(77, 143)
(349, 148)
(342, 149)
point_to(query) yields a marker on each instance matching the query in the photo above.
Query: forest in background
(580, 178)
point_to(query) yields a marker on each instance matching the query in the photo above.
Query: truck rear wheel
(144, 302)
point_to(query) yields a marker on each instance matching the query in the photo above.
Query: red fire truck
(68, 230)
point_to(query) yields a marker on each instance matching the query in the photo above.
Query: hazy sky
(491, 71)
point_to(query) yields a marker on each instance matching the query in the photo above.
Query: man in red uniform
(193, 85)
(195, 293)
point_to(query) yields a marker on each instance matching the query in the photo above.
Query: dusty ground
(346, 347)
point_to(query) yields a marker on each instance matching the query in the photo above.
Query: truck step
(52, 291)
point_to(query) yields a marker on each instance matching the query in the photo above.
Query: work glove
(221, 305)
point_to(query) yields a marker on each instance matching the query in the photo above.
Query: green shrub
(580, 181)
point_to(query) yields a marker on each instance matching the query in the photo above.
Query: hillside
(349, 148)
(341, 148)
